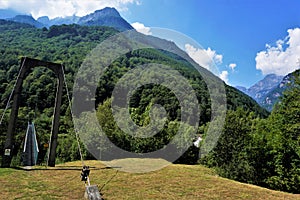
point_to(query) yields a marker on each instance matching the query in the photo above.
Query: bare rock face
(268, 91)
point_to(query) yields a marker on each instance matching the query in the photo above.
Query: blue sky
(247, 38)
(237, 30)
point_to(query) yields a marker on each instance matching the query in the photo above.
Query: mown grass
(171, 182)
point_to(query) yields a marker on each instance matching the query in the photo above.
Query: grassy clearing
(172, 182)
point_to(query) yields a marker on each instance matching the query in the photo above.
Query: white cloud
(208, 59)
(282, 58)
(62, 8)
(232, 66)
(141, 28)
(204, 57)
(224, 76)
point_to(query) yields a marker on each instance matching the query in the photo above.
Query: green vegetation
(172, 182)
(69, 44)
(254, 148)
(64, 44)
(265, 152)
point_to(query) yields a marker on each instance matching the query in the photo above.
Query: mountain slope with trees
(69, 44)
(265, 152)
(254, 148)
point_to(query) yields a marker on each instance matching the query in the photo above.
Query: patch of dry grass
(172, 182)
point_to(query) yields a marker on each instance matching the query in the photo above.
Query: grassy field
(172, 182)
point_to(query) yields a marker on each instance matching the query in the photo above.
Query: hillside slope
(172, 182)
(69, 44)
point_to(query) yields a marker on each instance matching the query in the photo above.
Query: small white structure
(197, 142)
(31, 147)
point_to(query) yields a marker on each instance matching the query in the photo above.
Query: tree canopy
(255, 147)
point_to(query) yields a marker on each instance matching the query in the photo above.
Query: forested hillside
(69, 44)
(253, 148)
(62, 44)
(265, 152)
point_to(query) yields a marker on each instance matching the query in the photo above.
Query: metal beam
(26, 65)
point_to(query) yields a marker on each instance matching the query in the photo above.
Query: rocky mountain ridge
(104, 17)
(268, 91)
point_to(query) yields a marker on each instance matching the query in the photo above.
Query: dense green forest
(255, 147)
(265, 152)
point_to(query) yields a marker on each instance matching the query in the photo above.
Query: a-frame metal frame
(26, 65)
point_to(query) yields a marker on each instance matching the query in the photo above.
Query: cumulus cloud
(204, 57)
(209, 59)
(281, 58)
(141, 28)
(224, 76)
(62, 8)
(232, 66)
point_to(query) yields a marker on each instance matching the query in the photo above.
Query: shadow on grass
(62, 168)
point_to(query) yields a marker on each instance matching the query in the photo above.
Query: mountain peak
(273, 77)
(267, 90)
(106, 17)
(272, 97)
(26, 19)
(267, 83)
(108, 11)
(43, 19)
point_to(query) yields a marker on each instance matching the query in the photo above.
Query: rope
(77, 136)
(11, 94)
(76, 131)
(108, 181)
